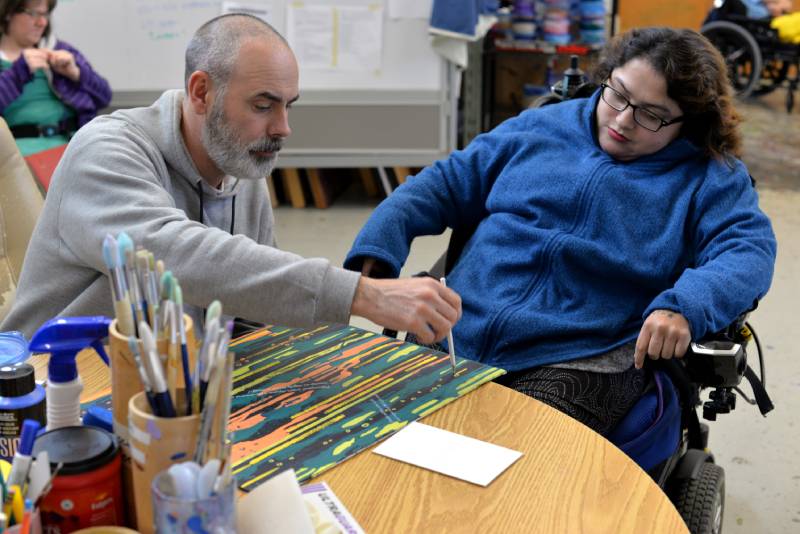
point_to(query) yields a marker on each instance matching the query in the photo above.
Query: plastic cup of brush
(187, 503)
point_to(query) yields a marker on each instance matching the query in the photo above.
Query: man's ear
(198, 92)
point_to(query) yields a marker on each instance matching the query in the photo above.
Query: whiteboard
(139, 45)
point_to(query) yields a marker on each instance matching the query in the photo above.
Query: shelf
(543, 47)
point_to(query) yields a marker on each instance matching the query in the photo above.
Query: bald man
(185, 179)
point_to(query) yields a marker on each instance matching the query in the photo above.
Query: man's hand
(63, 62)
(421, 306)
(664, 334)
(37, 59)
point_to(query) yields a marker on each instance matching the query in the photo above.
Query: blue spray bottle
(63, 338)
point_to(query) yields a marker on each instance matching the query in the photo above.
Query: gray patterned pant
(598, 400)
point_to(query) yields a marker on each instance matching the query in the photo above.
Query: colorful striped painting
(309, 399)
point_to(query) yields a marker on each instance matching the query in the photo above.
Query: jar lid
(80, 448)
(13, 348)
(17, 380)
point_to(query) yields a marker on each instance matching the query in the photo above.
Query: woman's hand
(37, 59)
(665, 334)
(63, 62)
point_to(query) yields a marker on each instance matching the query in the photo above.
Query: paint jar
(20, 398)
(88, 489)
(155, 444)
(216, 513)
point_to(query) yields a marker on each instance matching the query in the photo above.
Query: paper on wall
(310, 32)
(410, 9)
(341, 37)
(261, 10)
(359, 37)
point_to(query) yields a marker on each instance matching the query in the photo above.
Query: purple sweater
(86, 96)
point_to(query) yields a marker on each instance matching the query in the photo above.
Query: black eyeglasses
(645, 119)
(32, 13)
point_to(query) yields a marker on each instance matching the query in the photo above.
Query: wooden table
(569, 479)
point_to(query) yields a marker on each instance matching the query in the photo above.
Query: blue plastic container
(13, 348)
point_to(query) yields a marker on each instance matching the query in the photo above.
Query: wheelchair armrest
(375, 268)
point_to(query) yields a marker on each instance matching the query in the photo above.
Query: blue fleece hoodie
(574, 249)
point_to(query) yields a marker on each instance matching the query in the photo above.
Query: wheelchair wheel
(701, 501)
(772, 77)
(741, 52)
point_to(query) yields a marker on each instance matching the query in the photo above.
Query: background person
(47, 88)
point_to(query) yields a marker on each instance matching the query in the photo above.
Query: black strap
(200, 195)
(202, 213)
(762, 398)
(65, 127)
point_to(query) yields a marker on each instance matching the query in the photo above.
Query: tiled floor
(759, 455)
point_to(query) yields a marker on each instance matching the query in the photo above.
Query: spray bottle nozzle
(64, 337)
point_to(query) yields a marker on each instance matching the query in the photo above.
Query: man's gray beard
(226, 150)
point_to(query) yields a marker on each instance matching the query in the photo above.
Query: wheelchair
(662, 433)
(758, 61)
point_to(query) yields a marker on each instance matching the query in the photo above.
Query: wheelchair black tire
(746, 43)
(776, 75)
(701, 500)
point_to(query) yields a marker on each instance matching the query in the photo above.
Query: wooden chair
(20, 204)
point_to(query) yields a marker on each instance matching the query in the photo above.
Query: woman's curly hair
(697, 79)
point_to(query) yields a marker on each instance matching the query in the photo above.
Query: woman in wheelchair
(607, 229)
(758, 9)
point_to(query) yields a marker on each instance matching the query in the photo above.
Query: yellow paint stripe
(255, 479)
(422, 407)
(352, 381)
(437, 405)
(358, 420)
(391, 427)
(402, 352)
(339, 449)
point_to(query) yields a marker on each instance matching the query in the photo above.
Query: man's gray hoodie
(130, 171)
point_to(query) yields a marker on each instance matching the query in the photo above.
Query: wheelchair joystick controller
(719, 364)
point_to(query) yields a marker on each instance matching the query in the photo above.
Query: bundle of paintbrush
(148, 303)
(212, 398)
(135, 284)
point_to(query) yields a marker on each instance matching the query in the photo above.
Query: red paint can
(88, 489)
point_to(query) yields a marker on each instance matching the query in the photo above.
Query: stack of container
(593, 21)
(524, 20)
(556, 21)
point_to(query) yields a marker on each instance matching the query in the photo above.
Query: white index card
(448, 453)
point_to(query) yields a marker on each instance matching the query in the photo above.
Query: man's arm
(421, 306)
(111, 184)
